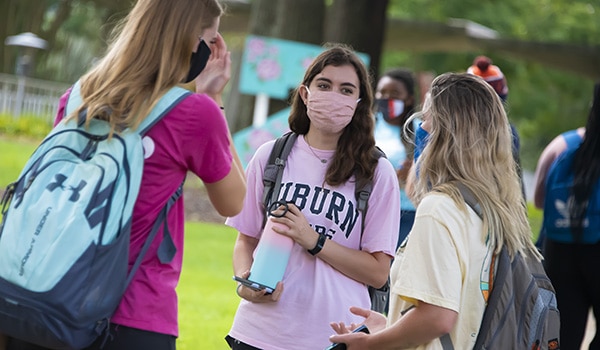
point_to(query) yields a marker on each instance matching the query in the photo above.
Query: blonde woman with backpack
(439, 287)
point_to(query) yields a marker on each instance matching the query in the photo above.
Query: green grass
(207, 299)
(535, 220)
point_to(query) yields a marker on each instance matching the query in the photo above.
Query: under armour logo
(60, 183)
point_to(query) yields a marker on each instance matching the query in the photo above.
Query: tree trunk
(62, 14)
(240, 106)
(301, 21)
(360, 24)
(284, 19)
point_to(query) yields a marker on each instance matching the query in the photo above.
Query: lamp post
(27, 42)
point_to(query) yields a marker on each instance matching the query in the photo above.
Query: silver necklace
(313, 151)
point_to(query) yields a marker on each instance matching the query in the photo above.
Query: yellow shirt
(444, 262)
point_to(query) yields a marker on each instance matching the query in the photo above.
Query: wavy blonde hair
(470, 143)
(150, 53)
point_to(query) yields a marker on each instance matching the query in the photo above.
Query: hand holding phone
(253, 285)
(342, 346)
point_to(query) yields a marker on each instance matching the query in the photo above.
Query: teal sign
(275, 66)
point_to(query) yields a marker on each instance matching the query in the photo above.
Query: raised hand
(217, 72)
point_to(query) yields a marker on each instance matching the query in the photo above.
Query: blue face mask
(421, 139)
(198, 61)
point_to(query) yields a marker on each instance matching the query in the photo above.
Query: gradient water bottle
(273, 251)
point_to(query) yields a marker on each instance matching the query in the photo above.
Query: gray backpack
(521, 311)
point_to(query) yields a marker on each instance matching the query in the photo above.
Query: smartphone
(253, 285)
(342, 346)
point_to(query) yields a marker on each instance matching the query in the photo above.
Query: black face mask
(198, 61)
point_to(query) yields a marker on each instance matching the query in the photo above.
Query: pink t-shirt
(315, 293)
(193, 137)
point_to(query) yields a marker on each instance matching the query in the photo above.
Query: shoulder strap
(470, 199)
(167, 249)
(491, 313)
(74, 100)
(274, 171)
(362, 202)
(274, 168)
(163, 106)
(362, 194)
(572, 138)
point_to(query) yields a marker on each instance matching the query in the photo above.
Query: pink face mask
(330, 111)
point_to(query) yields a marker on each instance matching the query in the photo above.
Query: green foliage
(77, 43)
(542, 102)
(576, 21)
(27, 125)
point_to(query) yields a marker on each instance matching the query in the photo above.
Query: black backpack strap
(363, 193)
(166, 250)
(469, 198)
(274, 168)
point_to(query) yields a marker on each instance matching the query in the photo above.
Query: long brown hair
(150, 53)
(355, 149)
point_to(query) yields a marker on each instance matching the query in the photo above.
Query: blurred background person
(483, 67)
(395, 101)
(567, 188)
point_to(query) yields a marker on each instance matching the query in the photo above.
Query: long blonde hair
(470, 143)
(150, 54)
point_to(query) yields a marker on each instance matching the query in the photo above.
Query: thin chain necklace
(313, 151)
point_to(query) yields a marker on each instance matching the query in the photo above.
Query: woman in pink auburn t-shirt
(331, 262)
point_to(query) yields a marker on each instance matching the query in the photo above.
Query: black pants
(574, 270)
(235, 344)
(121, 338)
